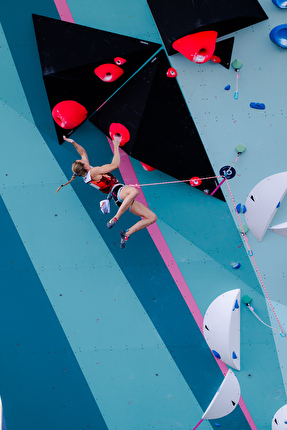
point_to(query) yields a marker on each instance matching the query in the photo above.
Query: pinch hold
(69, 114)
(195, 181)
(147, 167)
(197, 47)
(171, 73)
(117, 128)
(119, 61)
(215, 59)
(108, 72)
(255, 105)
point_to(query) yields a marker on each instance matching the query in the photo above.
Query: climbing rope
(255, 314)
(250, 253)
(172, 182)
(236, 94)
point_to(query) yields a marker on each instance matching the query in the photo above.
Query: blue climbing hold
(241, 208)
(236, 305)
(278, 35)
(216, 354)
(235, 265)
(278, 205)
(234, 355)
(227, 87)
(255, 105)
(217, 424)
(280, 3)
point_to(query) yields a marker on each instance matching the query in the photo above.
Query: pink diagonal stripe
(129, 177)
(64, 11)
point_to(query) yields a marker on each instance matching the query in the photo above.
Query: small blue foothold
(241, 208)
(236, 306)
(216, 354)
(217, 424)
(234, 355)
(278, 205)
(227, 87)
(236, 265)
(257, 105)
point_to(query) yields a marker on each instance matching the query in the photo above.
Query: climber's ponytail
(71, 180)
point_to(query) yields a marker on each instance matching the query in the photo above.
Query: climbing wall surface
(224, 121)
(91, 48)
(102, 338)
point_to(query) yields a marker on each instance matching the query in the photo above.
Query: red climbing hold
(198, 47)
(147, 167)
(195, 181)
(119, 61)
(171, 73)
(69, 114)
(215, 59)
(108, 72)
(117, 128)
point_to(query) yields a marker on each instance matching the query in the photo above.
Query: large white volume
(225, 399)
(221, 327)
(279, 421)
(263, 201)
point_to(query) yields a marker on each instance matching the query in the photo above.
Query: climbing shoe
(112, 222)
(124, 239)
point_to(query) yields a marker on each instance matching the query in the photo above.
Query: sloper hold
(69, 53)
(162, 131)
(177, 19)
(198, 47)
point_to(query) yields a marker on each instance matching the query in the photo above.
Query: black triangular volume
(223, 50)
(69, 53)
(162, 132)
(177, 19)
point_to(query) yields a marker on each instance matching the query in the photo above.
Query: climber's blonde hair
(78, 169)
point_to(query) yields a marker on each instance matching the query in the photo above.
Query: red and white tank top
(105, 184)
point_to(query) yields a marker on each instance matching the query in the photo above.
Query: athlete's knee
(135, 192)
(153, 218)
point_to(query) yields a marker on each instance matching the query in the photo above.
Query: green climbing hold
(240, 148)
(236, 64)
(246, 299)
(244, 229)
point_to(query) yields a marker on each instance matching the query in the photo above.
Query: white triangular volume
(280, 229)
(263, 201)
(221, 327)
(225, 399)
(279, 421)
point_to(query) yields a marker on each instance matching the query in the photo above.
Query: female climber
(123, 195)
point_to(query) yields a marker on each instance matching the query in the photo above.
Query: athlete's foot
(112, 222)
(124, 239)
